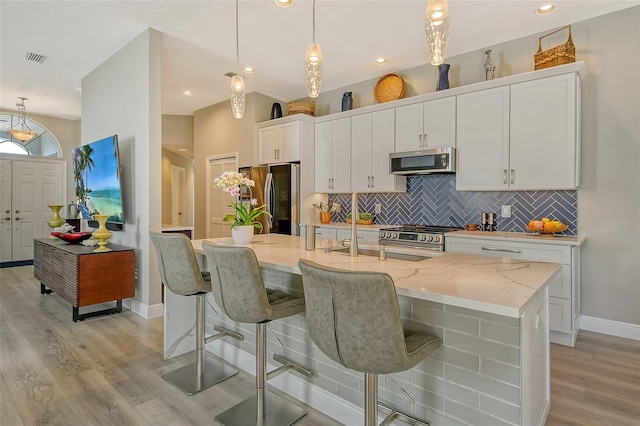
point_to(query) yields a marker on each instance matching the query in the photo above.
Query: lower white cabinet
(326, 233)
(364, 236)
(564, 294)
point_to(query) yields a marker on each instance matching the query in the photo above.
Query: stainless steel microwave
(440, 160)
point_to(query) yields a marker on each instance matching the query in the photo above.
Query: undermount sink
(390, 255)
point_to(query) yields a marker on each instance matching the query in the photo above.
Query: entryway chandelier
(24, 133)
(436, 29)
(313, 63)
(237, 82)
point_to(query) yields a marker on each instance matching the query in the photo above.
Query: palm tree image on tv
(97, 179)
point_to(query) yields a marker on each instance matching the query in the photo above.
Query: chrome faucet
(353, 247)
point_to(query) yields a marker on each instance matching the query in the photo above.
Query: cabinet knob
(7, 218)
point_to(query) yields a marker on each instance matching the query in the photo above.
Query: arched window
(43, 145)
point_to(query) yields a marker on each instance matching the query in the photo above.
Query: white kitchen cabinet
(520, 137)
(372, 140)
(426, 125)
(483, 140)
(279, 143)
(543, 143)
(365, 236)
(332, 156)
(326, 233)
(564, 292)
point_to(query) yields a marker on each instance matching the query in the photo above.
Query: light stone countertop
(488, 284)
(529, 237)
(169, 227)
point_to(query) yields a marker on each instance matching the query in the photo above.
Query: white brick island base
(491, 369)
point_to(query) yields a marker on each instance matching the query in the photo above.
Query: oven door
(441, 160)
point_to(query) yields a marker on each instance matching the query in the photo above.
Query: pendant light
(237, 82)
(436, 30)
(24, 133)
(313, 63)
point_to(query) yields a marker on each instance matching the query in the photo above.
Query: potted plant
(245, 219)
(365, 218)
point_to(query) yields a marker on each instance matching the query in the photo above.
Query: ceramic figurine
(489, 67)
(347, 101)
(443, 77)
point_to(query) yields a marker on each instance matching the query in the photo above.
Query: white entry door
(34, 185)
(218, 201)
(177, 195)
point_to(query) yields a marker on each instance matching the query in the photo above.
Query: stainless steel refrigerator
(278, 187)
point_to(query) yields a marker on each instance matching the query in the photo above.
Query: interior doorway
(178, 196)
(217, 202)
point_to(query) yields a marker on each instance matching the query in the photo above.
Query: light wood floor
(106, 370)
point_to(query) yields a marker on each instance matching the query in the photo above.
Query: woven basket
(390, 87)
(308, 108)
(558, 55)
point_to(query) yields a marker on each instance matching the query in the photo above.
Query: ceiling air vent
(34, 57)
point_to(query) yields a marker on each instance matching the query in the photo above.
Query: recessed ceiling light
(248, 70)
(283, 3)
(187, 93)
(546, 9)
(381, 61)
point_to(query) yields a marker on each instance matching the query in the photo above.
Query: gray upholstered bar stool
(354, 319)
(240, 292)
(180, 273)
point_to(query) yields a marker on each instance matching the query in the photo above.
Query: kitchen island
(491, 313)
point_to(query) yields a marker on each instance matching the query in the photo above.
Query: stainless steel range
(417, 236)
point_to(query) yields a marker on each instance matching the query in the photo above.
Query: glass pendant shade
(313, 69)
(436, 29)
(237, 96)
(23, 133)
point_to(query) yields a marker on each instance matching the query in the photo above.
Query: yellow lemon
(546, 220)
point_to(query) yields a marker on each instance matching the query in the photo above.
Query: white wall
(122, 96)
(609, 197)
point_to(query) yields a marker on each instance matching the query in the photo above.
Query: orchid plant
(246, 213)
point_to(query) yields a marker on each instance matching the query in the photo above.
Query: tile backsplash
(433, 200)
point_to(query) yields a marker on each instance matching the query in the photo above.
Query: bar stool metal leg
(264, 408)
(205, 371)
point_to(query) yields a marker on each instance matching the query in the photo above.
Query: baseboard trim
(613, 328)
(314, 396)
(144, 310)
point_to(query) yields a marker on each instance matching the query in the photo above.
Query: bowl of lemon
(546, 226)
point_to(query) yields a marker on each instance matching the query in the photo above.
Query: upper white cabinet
(426, 125)
(483, 140)
(372, 140)
(279, 143)
(519, 137)
(544, 120)
(332, 156)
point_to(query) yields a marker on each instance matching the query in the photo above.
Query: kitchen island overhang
(491, 314)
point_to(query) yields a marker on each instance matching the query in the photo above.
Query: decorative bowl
(548, 231)
(361, 221)
(72, 237)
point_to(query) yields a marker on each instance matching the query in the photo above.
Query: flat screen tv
(96, 175)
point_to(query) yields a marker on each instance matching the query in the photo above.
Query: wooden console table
(83, 277)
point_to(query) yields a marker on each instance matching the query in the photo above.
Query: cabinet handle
(368, 181)
(512, 176)
(424, 140)
(500, 249)
(504, 176)
(372, 182)
(420, 141)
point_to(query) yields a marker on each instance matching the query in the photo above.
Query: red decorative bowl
(73, 237)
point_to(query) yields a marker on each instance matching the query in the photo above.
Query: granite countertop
(488, 284)
(572, 240)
